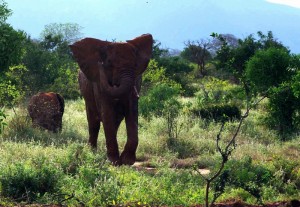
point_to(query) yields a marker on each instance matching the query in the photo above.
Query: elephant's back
(45, 103)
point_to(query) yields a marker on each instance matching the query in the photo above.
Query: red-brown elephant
(110, 80)
(46, 110)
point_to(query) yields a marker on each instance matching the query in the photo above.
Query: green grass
(32, 157)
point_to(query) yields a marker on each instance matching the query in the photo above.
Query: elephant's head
(115, 66)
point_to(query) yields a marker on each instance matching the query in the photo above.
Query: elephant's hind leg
(94, 126)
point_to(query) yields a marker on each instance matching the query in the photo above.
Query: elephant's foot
(127, 158)
(114, 159)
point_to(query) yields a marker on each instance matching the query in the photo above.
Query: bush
(23, 182)
(214, 90)
(2, 120)
(246, 175)
(153, 104)
(268, 68)
(219, 113)
(66, 83)
(283, 110)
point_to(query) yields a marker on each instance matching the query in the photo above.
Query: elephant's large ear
(87, 54)
(144, 51)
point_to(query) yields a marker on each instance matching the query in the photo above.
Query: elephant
(110, 80)
(46, 111)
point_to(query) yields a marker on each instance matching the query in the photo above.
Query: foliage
(283, 109)
(2, 120)
(12, 87)
(219, 113)
(177, 69)
(157, 51)
(11, 46)
(295, 83)
(234, 59)
(49, 62)
(156, 75)
(198, 52)
(4, 11)
(85, 178)
(246, 175)
(174, 65)
(154, 103)
(57, 37)
(268, 68)
(273, 72)
(66, 83)
(215, 91)
(23, 182)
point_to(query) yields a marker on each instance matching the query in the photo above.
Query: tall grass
(85, 177)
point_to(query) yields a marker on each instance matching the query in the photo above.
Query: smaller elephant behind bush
(46, 111)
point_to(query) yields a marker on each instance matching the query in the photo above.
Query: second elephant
(46, 110)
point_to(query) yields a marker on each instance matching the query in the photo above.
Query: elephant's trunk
(125, 86)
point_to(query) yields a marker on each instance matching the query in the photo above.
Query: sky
(171, 22)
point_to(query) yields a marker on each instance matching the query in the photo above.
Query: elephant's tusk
(136, 93)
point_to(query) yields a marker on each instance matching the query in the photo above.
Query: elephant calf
(46, 111)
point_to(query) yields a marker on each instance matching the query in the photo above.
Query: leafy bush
(66, 83)
(283, 109)
(268, 68)
(12, 87)
(286, 175)
(246, 175)
(175, 65)
(2, 120)
(220, 113)
(216, 91)
(156, 99)
(155, 75)
(23, 182)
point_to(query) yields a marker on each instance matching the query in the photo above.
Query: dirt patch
(147, 167)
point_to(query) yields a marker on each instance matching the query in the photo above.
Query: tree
(157, 51)
(11, 40)
(231, 40)
(268, 68)
(234, 59)
(61, 32)
(198, 52)
(58, 36)
(273, 72)
(49, 61)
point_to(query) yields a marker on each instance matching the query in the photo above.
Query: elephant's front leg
(128, 156)
(110, 125)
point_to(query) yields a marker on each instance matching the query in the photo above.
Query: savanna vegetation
(190, 107)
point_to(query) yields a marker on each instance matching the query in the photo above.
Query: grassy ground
(41, 167)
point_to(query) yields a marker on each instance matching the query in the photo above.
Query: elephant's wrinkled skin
(110, 80)
(46, 110)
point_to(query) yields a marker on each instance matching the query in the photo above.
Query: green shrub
(154, 103)
(246, 175)
(268, 68)
(219, 113)
(23, 182)
(9, 93)
(218, 91)
(286, 179)
(283, 110)
(66, 83)
(2, 120)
